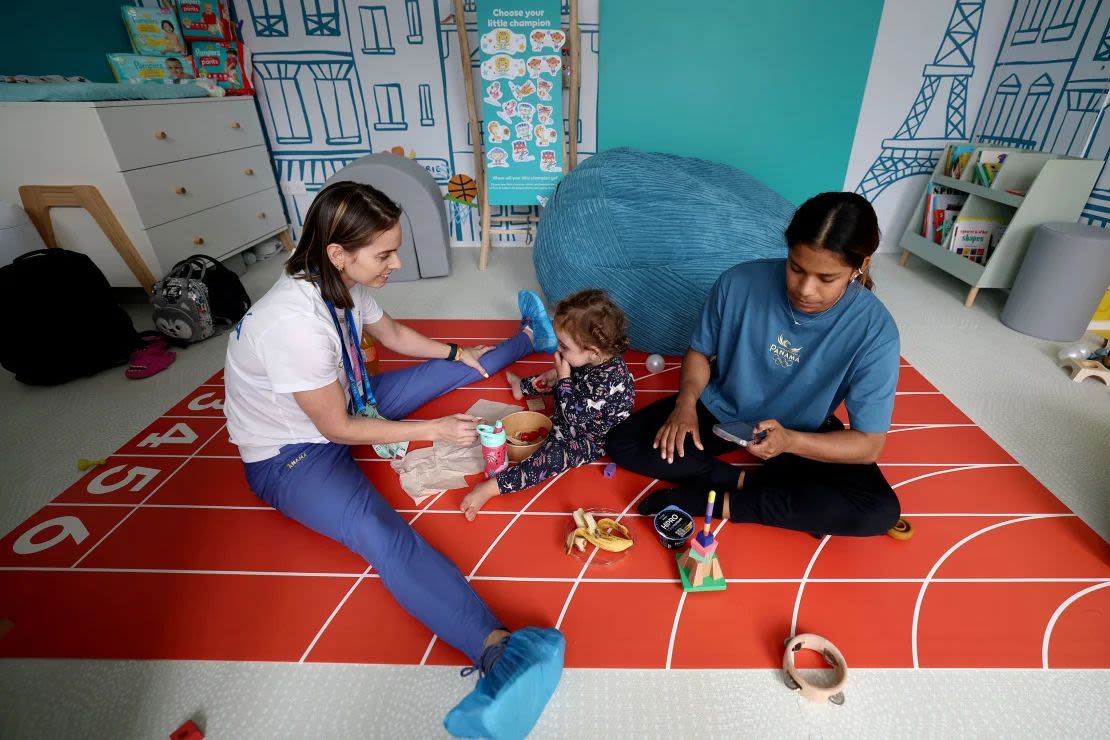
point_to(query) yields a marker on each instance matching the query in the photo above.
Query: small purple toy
(610, 470)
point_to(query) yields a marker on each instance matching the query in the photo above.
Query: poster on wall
(521, 75)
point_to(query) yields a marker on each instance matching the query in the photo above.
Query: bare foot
(514, 385)
(477, 498)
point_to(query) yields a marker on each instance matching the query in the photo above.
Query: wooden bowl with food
(525, 431)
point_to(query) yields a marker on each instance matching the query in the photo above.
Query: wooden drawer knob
(161, 135)
(180, 190)
(235, 124)
(248, 172)
(198, 241)
(261, 216)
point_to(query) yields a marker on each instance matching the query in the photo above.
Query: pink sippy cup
(494, 448)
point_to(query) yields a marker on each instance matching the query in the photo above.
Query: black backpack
(61, 320)
(197, 297)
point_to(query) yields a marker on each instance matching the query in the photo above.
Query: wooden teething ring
(832, 656)
(902, 530)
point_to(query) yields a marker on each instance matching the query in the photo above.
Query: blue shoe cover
(508, 701)
(535, 317)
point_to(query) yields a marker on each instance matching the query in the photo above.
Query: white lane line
(1056, 615)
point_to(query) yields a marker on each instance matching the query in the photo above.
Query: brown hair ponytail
(844, 223)
(346, 213)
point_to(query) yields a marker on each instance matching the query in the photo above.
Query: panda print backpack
(197, 297)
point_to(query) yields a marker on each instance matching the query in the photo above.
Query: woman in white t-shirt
(298, 396)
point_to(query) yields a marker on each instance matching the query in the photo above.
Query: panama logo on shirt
(785, 355)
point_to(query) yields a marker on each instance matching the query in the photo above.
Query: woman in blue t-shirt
(780, 345)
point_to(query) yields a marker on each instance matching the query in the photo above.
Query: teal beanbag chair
(655, 230)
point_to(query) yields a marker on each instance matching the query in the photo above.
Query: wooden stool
(39, 199)
(286, 240)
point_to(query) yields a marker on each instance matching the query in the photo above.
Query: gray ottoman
(1064, 275)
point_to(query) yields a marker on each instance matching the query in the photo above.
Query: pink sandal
(151, 359)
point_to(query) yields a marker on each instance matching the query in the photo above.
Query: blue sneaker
(534, 316)
(511, 696)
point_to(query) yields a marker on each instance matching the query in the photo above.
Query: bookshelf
(1056, 188)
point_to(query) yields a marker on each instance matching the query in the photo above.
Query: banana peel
(606, 534)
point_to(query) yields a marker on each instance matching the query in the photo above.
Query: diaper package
(204, 20)
(227, 63)
(153, 31)
(175, 69)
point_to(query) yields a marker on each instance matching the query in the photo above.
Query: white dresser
(183, 177)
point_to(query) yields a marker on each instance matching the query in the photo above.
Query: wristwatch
(456, 352)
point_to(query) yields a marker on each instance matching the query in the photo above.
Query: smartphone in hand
(740, 432)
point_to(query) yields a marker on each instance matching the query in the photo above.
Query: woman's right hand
(458, 429)
(672, 435)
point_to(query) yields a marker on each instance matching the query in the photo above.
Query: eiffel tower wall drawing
(338, 79)
(1022, 73)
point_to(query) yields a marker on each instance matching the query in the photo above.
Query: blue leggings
(400, 392)
(321, 486)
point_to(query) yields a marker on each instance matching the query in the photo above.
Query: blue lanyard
(357, 394)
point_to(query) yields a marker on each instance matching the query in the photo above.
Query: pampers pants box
(136, 68)
(227, 63)
(153, 31)
(204, 20)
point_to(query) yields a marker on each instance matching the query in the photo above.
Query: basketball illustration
(462, 187)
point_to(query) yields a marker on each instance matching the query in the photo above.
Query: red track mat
(164, 553)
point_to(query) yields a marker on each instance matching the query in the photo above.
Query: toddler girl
(593, 392)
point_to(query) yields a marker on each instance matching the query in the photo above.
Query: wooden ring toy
(832, 656)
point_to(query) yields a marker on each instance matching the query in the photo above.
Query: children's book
(941, 206)
(980, 177)
(944, 221)
(992, 156)
(958, 155)
(971, 238)
(976, 237)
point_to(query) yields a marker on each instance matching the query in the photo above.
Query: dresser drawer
(169, 191)
(145, 135)
(218, 231)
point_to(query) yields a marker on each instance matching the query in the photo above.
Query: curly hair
(593, 320)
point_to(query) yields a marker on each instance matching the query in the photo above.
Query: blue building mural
(1048, 90)
(1049, 86)
(911, 152)
(338, 79)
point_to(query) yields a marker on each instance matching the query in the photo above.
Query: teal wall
(773, 88)
(68, 37)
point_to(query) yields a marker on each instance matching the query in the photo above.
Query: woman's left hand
(469, 357)
(777, 441)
